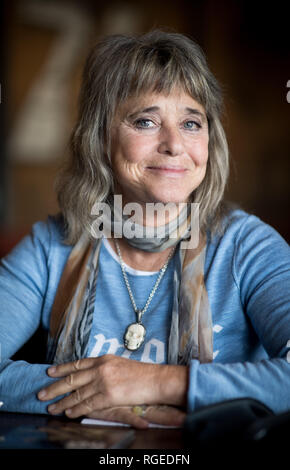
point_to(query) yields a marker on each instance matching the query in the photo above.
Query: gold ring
(139, 410)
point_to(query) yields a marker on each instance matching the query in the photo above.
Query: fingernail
(52, 370)
(68, 411)
(51, 408)
(42, 394)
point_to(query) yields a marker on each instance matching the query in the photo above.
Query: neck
(151, 214)
(139, 259)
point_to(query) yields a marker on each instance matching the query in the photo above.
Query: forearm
(267, 381)
(19, 385)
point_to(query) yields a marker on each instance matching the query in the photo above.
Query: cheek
(131, 149)
(137, 150)
(129, 159)
(199, 153)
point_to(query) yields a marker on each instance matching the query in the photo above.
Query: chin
(176, 193)
(171, 196)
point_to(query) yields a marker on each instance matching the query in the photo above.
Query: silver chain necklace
(135, 332)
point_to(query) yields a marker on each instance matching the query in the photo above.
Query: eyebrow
(145, 110)
(197, 112)
(156, 108)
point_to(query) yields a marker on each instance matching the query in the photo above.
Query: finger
(166, 415)
(96, 401)
(120, 415)
(63, 370)
(75, 398)
(66, 385)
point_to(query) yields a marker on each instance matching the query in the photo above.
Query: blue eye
(144, 123)
(192, 125)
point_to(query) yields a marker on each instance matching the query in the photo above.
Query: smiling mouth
(167, 168)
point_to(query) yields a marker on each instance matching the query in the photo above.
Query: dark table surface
(29, 438)
(29, 431)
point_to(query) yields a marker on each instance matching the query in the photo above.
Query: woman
(140, 328)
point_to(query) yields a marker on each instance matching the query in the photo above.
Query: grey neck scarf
(152, 239)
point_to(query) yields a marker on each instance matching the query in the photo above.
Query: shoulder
(245, 239)
(240, 227)
(44, 240)
(49, 233)
(250, 252)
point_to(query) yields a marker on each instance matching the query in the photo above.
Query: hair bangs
(160, 71)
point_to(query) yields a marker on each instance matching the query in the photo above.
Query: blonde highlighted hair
(119, 67)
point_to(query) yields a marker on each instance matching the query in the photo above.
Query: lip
(168, 170)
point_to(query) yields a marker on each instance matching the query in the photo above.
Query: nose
(171, 142)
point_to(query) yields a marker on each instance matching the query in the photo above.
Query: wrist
(173, 385)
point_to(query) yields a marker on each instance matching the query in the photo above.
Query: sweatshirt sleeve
(261, 272)
(23, 282)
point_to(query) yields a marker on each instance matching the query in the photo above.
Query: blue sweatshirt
(247, 275)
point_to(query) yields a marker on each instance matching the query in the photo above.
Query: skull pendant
(134, 336)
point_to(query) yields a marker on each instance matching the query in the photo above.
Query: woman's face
(159, 148)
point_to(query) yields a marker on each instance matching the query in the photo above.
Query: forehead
(177, 99)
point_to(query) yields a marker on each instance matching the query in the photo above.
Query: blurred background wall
(44, 44)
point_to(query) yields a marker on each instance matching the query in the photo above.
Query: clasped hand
(106, 388)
